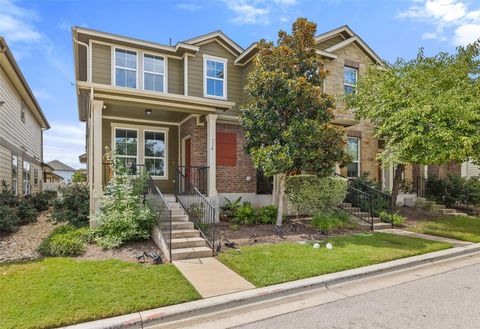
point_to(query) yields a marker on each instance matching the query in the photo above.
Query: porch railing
(164, 216)
(360, 205)
(200, 211)
(442, 193)
(196, 175)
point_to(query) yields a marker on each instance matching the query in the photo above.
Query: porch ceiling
(138, 112)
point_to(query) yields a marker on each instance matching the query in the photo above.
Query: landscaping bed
(59, 291)
(268, 264)
(454, 227)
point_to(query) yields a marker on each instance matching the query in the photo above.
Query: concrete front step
(177, 225)
(188, 253)
(188, 243)
(185, 233)
(180, 218)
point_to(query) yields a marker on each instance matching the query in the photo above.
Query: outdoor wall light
(2, 102)
(148, 112)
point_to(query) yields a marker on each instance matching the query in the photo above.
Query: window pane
(352, 169)
(148, 63)
(131, 60)
(126, 142)
(120, 58)
(349, 89)
(154, 64)
(131, 79)
(352, 148)
(154, 82)
(218, 88)
(350, 76)
(154, 144)
(120, 77)
(215, 87)
(215, 69)
(211, 87)
(155, 167)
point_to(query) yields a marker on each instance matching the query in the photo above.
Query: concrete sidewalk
(456, 243)
(211, 278)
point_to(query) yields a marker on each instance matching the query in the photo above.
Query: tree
(288, 122)
(427, 109)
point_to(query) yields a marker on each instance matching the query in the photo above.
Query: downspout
(88, 56)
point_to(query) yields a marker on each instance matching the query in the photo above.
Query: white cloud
(259, 12)
(189, 6)
(17, 24)
(64, 142)
(452, 19)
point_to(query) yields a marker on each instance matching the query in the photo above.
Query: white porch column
(211, 154)
(97, 153)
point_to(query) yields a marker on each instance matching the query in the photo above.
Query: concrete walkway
(211, 278)
(456, 243)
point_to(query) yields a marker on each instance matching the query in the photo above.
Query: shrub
(230, 207)
(73, 206)
(26, 212)
(245, 214)
(41, 201)
(266, 214)
(312, 194)
(328, 221)
(395, 219)
(8, 219)
(7, 197)
(64, 241)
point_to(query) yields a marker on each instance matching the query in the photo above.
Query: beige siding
(24, 135)
(175, 76)
(5, 165)
(101, 64)
(234, 73)
(330, 42)
(472, 170)
(246, 71)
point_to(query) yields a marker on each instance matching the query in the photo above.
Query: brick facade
(442, 171)
(198, 140)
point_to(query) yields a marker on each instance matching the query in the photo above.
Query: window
(215, 77)
(125, 68)
(154, 147)
(35, 177)
(15, 174)
(126, 148)
(226, 149)
(353, 149)
(153, 73)
(26, 178)
(350, 79)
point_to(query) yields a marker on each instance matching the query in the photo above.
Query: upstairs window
(125, 68)
(126, 148)
(350, 79)
(154, 73)
(15, 174)
(215, 77)
(26, 178)
(155, 161)
(353, 149)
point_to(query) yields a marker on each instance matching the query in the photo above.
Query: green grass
(269, 264)
(460, 228)
(59, 291)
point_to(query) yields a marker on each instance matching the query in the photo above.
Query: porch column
(211, 154)
(97, 150)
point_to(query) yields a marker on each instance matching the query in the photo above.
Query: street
(447, 300)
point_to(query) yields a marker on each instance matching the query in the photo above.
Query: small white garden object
(329, 246)
(316, 245)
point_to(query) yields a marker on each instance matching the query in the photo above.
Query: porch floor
(211, 278)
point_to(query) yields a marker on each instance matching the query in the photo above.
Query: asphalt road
(447, 300)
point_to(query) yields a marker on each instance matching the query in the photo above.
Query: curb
(166, 314)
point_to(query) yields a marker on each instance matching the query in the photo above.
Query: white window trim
(225, 66)
(165, 73)
(15, 179)
(356, 78)
(359, 144)
(165, 134)
(27, 191)
(114, 143)
(114, 66)
(140, 141)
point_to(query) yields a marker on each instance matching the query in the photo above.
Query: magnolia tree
(427, 109)
(288, 122)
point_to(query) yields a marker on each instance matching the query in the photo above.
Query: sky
(39, 34)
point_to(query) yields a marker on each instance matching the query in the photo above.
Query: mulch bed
(241, 235)
(128, 252)
(23, 244)
(418, 214)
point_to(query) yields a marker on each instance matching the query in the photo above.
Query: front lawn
(269, 264)
(455, 227)
(59, 291)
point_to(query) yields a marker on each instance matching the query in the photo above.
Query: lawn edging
(163, 315)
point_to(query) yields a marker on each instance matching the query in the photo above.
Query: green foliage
(230, 206)
(313, 194)
(26, 212)
(8, 219)
(41, 201)
(7, 196)
(288, 123)
(123, 215)
(266, 214)
(245, 214)
(453, 189)
(395, 219)
(65, 241)
(73, 205)
(79, 176)
(196, 211)
(328, 221)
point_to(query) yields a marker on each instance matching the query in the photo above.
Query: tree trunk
(281, 196)
(396, 183)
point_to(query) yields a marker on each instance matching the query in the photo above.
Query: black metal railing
(382, 201)
(443, 193)
(360, 205)
(199, 209)
(196, 175)
(164, 216)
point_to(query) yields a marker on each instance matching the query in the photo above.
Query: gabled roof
(7, 61)
(57, 165)
(215, 35)
(344, 30)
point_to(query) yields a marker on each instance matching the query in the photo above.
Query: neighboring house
(22, 123)
(51, 181)
(62, 170)
(170, 107)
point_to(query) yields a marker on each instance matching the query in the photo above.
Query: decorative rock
(316, 245)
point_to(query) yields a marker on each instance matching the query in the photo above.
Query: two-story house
(22, 123)
(175, 108)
